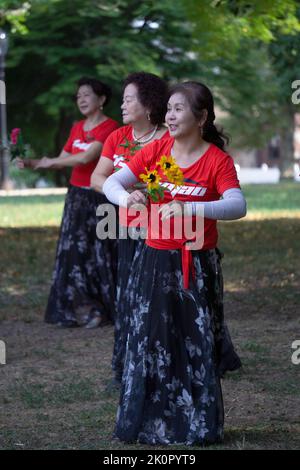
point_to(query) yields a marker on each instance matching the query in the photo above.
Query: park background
(54, 387)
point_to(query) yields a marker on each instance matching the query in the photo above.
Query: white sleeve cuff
(115, 186)
(232, 206)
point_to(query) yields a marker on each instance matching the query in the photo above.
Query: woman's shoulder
(78, 124)
(109, 122)
(76, 129)
(216, 154)
(164, 145)
(164, 142)
(119, 134)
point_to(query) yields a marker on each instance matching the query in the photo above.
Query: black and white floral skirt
(129, 250)
(84, 276)
(178, 348)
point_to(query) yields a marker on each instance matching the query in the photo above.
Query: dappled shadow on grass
(261, 267)
(28, 257)
(54, 383)
(263, 437)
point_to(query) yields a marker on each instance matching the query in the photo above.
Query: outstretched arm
(65, 159)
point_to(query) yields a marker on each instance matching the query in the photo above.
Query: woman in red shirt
(83, 282)
(143, 111)
(178, 346)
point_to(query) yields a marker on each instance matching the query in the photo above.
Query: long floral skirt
(129, 250)
(84, 276)
(178, 348)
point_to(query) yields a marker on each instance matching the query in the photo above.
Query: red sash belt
(186, 256)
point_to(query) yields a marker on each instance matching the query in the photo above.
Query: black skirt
(129, 250)
(84, 276)
(178, 347)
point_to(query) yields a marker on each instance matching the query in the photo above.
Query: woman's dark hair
(152, 94)
(98, 87)
(200, 98)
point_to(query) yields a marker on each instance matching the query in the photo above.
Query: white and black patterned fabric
(178, 348)
(84, 276)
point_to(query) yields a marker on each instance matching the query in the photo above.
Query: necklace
(140, 141)
(88, 128)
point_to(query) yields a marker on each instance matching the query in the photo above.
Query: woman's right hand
(141, 186)
(136, 197)
(26, 163)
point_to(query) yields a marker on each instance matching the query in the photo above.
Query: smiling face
(87, 100)
(180, 118)
(132, 109)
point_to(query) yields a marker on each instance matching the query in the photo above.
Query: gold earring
(148, 116)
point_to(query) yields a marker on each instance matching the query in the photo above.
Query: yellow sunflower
(171, 170)
(151, 178)
(177, 178)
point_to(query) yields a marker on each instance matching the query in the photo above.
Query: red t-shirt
(114, 150)
(79, 141)
(204, 180)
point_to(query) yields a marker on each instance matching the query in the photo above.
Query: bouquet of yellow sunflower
(170, 169)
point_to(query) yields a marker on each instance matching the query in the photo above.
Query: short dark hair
(152, 94)
(98, 87)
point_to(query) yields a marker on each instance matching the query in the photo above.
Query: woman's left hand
(172, 209)
(45, 163)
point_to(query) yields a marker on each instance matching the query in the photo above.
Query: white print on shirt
(119, 160)
(81, 145)
(186, 190)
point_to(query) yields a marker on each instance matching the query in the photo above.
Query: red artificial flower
(14, 135)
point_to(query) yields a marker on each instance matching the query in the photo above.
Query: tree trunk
(287, 143)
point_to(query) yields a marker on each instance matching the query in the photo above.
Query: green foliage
(14, 13)
(247, 52)
(251, 54)
(25, 178)
(247, 89)
(285, 59)
(68, 39)
(222, 24)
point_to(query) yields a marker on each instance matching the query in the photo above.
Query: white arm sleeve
(115, 186)
(232, 206)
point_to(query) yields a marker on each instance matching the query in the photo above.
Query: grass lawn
(53, 392)
(31, 211)
(280, 200)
